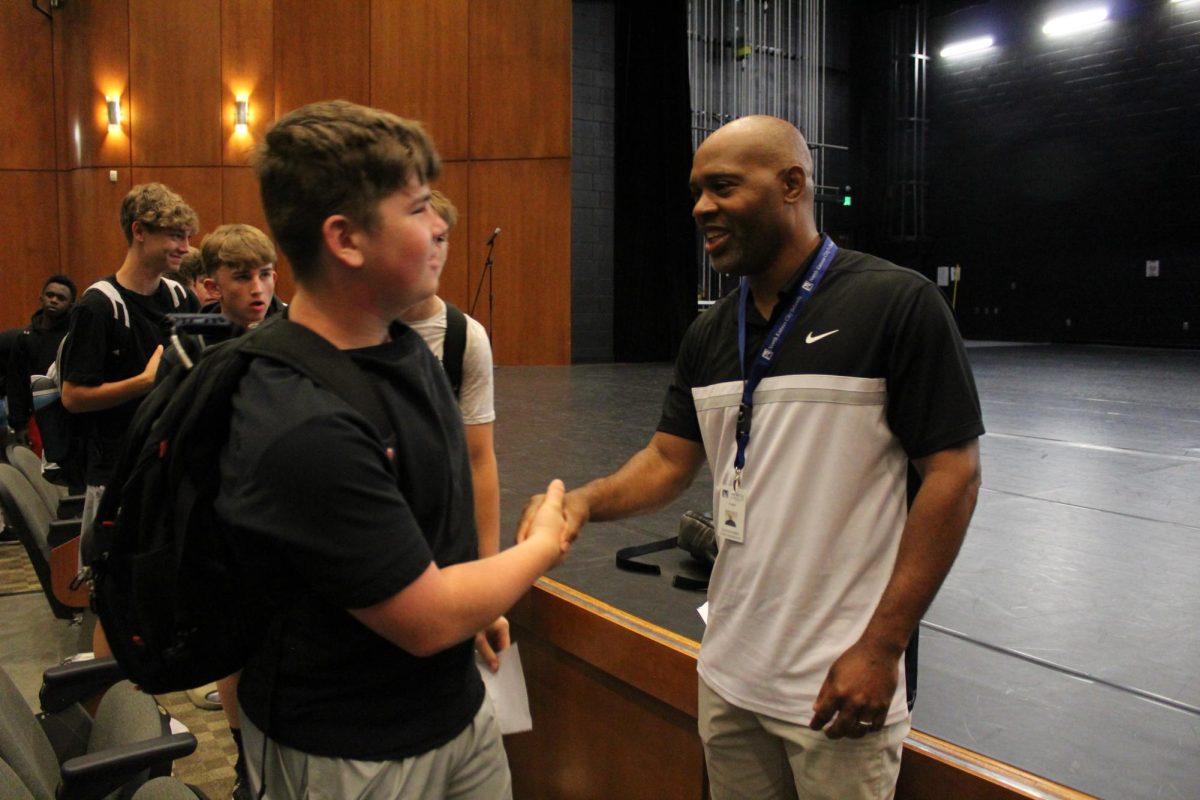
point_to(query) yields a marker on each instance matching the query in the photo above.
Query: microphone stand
(487, 271)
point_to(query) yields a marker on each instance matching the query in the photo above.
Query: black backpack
(454, 347)
(179, 607)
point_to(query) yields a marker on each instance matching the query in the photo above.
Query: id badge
(731, 514)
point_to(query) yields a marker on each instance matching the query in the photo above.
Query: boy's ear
(137, 230)
(211, 286)
(343, 238)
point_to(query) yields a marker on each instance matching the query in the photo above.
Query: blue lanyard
(782, 327)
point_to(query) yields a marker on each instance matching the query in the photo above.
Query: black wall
(1057, 168)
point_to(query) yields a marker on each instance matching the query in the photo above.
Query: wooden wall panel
(454, 184)
(532, 272)
(91, 59)
(247, 67)
(322, 52)
(26, 88)
(26, 244)
(200, 187)
(241, 203)
(419, 66)
(520, 78)
(177, 66)
(91, 242)
(175, 82)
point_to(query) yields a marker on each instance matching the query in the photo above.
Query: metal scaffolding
(907, 125)
(756, 57)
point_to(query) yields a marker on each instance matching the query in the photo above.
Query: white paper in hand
(507, 690)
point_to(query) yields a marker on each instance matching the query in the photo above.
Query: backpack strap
(316, 358)
(109, 290)
(178, 293)
(454, 346)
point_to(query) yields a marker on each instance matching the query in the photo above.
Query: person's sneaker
(205, 697)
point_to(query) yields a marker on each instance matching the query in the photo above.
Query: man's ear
(138, 231)
(342, 236)
(211, 287)
(795, 183)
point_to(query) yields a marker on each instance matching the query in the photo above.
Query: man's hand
(492, 640)
(574, 510)
(859, 690)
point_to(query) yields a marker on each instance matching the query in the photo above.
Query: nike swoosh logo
(810, 338)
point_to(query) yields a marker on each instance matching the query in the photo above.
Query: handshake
(554, 517)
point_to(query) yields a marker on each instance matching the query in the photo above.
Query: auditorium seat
(61, 504)
(52, 545)
(126, 744)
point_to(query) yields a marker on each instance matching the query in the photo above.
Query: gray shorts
(472, 765)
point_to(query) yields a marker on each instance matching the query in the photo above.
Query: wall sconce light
(113, 103)
(241, 113)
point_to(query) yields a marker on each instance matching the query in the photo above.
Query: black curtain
(654, 252)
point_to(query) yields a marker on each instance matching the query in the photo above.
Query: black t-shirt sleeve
(87, 345)
(325, 495)
(679, 406)
(932, 401)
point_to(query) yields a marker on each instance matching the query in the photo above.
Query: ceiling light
(1075, 22)
(967, 46)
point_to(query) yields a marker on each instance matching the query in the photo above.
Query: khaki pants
(757, 757)
(472, 766)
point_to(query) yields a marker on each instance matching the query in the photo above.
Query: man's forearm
(649, 480)
(934, 532)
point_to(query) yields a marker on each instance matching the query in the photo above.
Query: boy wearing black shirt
(118, 330)
(367, 547)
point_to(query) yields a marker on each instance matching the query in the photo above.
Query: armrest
(70, 683)
(96, 775)
(63, 531)
(70, 506)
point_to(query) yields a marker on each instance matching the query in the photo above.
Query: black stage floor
(1067, 639)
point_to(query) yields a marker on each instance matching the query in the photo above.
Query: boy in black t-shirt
(111, 353)
(35, 350)
(367, 547)
(239, 274)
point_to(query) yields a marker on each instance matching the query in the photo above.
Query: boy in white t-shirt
(429, 318)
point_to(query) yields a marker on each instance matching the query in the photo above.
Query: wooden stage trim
(607, 688)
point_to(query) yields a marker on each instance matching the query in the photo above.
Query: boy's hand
(491, 641)
(574, 511)
(150, 373)
(546, 520)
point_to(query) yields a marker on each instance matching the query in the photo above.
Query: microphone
(492, 238)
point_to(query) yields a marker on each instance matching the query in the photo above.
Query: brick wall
(1058, 167)
(592, 78)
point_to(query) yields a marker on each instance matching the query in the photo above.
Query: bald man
(811, 433)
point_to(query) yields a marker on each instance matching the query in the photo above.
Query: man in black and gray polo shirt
(811, 433)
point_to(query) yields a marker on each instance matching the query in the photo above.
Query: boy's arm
(78, 398)
(485, 479)
(446, 606)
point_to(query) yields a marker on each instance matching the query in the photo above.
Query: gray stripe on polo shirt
(797, 395)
